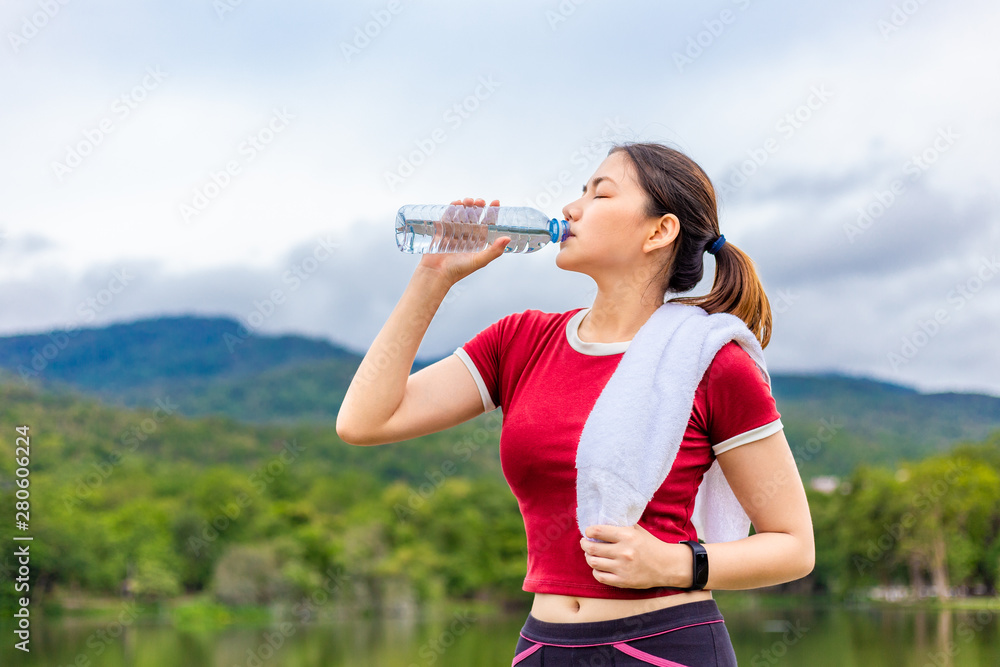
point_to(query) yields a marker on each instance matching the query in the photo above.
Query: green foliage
(204, 366)
(204, 615)
(165, 351)
(160, 506)
(932, 525)
(254, 514)
(836, 423)
(249, 574)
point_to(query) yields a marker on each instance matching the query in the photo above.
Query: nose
(571, 211)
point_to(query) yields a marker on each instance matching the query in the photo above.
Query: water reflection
(814, 636)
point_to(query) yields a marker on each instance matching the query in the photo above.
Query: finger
(476, 212)
(457, 212)
(609, 578)
(602, 564)
(491, 214)
(480, 202)
(603, 533)
(450, 212)
(604, 550)
(468, 210)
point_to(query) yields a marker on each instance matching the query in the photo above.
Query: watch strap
(700, 565)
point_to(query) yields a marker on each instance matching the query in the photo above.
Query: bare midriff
(574, 609)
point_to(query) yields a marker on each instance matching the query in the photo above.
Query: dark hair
(674, 183)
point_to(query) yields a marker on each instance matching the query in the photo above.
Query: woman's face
(610, 231)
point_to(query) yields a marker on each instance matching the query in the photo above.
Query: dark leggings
(686, 635)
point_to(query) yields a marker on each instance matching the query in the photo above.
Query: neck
(618, 313)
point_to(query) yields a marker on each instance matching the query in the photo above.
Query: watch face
(701, 568)
(700, 564)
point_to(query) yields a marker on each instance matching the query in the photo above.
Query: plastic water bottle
(441, 228)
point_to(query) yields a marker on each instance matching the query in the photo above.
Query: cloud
(857, 227)
(564, 70)
(23, 245)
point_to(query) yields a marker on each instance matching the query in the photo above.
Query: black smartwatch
(700, 565)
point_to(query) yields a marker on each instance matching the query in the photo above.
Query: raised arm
(384, 403)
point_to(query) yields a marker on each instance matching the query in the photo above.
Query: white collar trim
(584, 347)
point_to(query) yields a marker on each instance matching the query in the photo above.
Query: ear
(662, 233)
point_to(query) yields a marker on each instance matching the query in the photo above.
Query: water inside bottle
(434, 236)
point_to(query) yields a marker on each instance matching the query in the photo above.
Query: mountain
(834, 422)
(122, 357)
(206, 367)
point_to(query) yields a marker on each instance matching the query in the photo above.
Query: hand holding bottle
(456, 265)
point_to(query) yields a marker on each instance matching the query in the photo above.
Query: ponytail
(675, 184)
(736, 290)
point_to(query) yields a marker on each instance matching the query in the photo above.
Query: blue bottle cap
(558, 230)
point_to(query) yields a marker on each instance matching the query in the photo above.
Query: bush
(249, 574)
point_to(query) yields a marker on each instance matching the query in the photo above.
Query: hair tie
(715, 247)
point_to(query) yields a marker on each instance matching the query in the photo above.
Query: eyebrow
(598, 180)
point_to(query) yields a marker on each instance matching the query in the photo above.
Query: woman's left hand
(632, 558)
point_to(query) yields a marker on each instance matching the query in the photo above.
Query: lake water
(814, 636)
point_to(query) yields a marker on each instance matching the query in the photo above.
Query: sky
(202, 156)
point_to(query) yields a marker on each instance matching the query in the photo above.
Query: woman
(636, 596)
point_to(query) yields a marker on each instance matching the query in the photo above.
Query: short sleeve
(740, 407)
(483, 356)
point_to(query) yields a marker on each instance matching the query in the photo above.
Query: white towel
(635, 428)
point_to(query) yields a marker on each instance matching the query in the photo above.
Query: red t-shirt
(534, 366)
